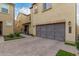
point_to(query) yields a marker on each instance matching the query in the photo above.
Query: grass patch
(70, 44)
(64, 53)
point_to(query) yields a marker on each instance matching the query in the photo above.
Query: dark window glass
(70, 29)
(47, 5)
(44, 6)
(4, 10)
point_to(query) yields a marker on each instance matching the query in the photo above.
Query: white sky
(24, 11)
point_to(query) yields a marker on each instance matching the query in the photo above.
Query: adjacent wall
(8, 18)
(58, 13)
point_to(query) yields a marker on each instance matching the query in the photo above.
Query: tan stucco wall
(58, 13)
(8, 17)
(16, 26)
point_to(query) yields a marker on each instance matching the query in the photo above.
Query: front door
(0, 28)
(26, 29)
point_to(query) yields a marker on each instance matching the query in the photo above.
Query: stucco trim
(50, 23)
(44, 10)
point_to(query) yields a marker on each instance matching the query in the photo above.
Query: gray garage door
(59, 31)
(52, 31)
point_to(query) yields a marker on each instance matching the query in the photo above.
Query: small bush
(17, 34)
(10, 35)
(13, 36)
(77, 42)
(64, 53)
(77, 45)
(70, 44)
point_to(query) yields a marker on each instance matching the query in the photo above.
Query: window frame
(6, 8)
(46, 6)
(4, 11)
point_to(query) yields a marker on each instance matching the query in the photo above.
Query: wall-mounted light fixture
(70, 27)
(69, 23)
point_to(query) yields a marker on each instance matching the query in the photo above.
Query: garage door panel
(59, 32)
(50, 34)
(60, 38)
(43, 28)
(56, 35)
(52, 31)
(41, 32)
(50, 27)
(50, 37)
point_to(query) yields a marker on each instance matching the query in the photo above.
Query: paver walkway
(33, 46)
(1, 39)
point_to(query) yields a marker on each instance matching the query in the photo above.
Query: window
(0, 8)
(35, 9)
(47, 6)
(70, 29)
(4, 8)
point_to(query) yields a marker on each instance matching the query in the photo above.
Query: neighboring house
(22, 23)
(54, 21)
(77, 29)
(6, 18)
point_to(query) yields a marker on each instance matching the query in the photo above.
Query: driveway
(33, 46)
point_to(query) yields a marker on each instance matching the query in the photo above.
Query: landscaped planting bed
(64, 53)
(13, 36)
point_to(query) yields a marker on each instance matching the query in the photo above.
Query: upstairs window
(4, 8)
(47, 6)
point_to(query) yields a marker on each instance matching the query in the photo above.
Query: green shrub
(10, 35)
(17, 34)
(77, 42)
(70, 44)
(77, 45)
(13, 36)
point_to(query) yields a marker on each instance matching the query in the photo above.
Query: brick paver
(33, 46)
(1, 39)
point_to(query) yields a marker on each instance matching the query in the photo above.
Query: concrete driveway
(33, 46)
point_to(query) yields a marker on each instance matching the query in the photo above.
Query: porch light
(69, 23)
(70, 28)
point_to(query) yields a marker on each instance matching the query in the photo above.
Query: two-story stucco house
(6, 18)
(22, 23)
(54, 21)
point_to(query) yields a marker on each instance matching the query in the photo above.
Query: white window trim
(5, 8)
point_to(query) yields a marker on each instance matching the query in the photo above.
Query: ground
(33, 46)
